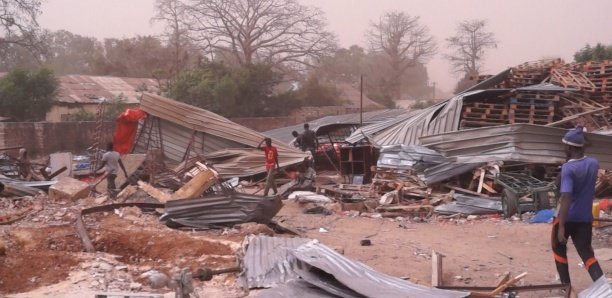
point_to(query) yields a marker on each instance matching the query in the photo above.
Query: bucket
(595, 213)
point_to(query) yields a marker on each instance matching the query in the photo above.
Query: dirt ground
(43, 257)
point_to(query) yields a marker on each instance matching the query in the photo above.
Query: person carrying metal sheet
(271, 155)
(111, 160)
(574, 217)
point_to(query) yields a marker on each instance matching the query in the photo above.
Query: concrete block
(68, 189)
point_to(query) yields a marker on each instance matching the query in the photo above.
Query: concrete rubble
(189, 218)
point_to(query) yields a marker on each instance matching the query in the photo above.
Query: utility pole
(434, 91)
(361, 102)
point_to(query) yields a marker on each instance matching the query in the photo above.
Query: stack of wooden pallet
(571, 79)
(531, 73)
(532, 108)
(600, 73)
(482, 114)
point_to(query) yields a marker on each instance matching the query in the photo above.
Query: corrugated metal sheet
(94, 89)
(371, 130)
(361, 278)
(229, 146)
(271, 260)
(599, 289)
(515, 142)
(440, 118)
(546, 87)
(268, 260)
(294, 288)
(221, 210)
(284, 134)
(407, 156)
(447, 170)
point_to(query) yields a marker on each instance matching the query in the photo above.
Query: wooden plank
(437, 275)
(574, 117)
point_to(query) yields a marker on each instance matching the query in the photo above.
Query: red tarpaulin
(127, 124)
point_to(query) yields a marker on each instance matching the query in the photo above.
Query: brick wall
(42, 138)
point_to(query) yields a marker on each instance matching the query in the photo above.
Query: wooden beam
(574, 117)
(436, 269)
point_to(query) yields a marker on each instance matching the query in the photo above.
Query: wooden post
(436, 269)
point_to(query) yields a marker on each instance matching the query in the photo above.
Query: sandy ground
(43, 255)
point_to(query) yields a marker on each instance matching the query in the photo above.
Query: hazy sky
(526, 30)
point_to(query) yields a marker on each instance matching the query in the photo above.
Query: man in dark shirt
(575, 217)
(309, 140)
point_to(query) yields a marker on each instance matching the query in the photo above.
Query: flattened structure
(186, 131)
(514, 142)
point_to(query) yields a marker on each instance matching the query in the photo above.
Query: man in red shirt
(271, 164)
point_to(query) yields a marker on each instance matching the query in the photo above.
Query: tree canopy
(597, 53)
(468, 46)
(403, 42)
(27, 96)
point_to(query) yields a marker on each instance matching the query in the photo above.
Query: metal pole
(434, 91)
(361, 103)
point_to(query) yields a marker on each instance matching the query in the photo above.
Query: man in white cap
(574, 214)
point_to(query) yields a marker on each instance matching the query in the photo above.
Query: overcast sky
(526, 30)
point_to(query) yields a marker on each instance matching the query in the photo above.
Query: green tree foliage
(247, 91)
(597, 53)
(316, 94)
(27, 96)
(382, 98)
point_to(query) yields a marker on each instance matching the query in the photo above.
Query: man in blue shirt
(575, 217)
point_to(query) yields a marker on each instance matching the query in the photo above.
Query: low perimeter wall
(43, 138)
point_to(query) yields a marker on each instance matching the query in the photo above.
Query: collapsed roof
(182, 131)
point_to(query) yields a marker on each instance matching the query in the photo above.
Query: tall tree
(274, 32)
(18, 24)
(27, 96)
(404, 42)
(171, 13)
(468, 46)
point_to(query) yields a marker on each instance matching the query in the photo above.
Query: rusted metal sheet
(229, 146)
(94, 89)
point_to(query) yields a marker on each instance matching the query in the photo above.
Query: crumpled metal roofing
(514, 142)
(94, 89)
(229, 209)
(599, 289)
(371, 130)
(447, 170)
(407, 156)
(268, 260)
(213, 137)
(344, 277)
(284, 134)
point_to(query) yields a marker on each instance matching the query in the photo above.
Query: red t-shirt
(271, 155)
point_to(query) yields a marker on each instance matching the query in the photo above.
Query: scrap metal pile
(460, 149)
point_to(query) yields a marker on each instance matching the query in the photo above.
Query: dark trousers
(110, 184)
(581, 234)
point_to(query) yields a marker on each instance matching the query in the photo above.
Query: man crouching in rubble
(271, 164)
(574, 211)
(110, 160)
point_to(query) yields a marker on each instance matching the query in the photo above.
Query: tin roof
(94, 89)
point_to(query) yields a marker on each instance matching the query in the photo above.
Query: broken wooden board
(197, 185)
(68, 189)
(131, 162)
(157, 194)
